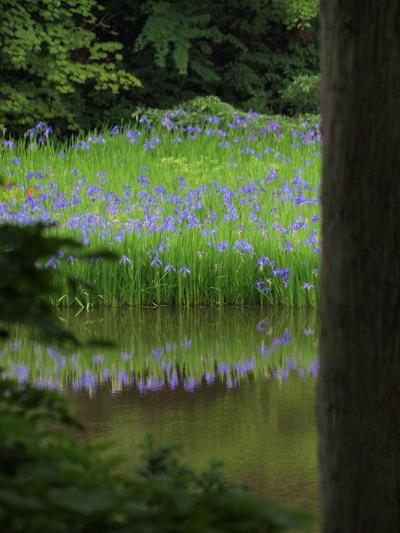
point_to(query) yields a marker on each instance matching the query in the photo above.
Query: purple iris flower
(222, 246)
(125, 260)
(184, 270)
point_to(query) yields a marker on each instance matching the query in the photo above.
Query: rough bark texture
(359, 383)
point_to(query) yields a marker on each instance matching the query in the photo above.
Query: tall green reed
(119, 194)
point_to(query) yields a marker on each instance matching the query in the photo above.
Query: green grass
(130, 217)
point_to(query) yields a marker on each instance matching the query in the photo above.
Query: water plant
(207, 213)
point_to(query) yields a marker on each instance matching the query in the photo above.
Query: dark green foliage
(302, 93)
(26, 284)
(49, 482)
(78, 64)
(24, 288)
(201, 108)
(51, 58)
(245, 52)
(196, 110)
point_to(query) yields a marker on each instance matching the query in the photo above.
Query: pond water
(230, 384)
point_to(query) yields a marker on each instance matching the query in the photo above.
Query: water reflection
(233, 384)
(164, 349)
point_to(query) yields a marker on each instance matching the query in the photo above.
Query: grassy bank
(220, 212)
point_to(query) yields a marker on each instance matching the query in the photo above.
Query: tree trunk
(359, 382)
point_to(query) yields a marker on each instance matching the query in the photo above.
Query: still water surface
(230, 384)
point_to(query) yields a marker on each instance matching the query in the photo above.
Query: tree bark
(359, 381)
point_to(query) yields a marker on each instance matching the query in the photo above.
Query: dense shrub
(203, 110)
(302, 94)
(193, 112)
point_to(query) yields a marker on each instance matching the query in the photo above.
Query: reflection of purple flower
(54, 354)
(154, 384)
(285, 339)
(123, 377)
(210, 378)
(230, 382)
(223, 367)
(168, 347)
(314, 367)
(141, 386)
(301, 372)
(20, 372)
(308, 331)
(186, 344)
(173, 381)
(190, 383)
(14, 346)
(291, 363)
(265, 350)
(87, 380)
(97, 358)
(157, 352)
(260, 326)
(246, 366)
(167, 366)
(283, 374)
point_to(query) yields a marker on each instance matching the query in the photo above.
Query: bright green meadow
(219, 212)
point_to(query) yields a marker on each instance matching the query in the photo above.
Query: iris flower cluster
(244, 211)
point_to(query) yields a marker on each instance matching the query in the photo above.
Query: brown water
(235, 385)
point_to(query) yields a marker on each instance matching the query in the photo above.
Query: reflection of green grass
(164, 344)
(215, 277)
(262, 428)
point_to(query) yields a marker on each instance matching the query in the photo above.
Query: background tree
(246, 52)
(77, 64)
(49, 50)
(359, 386)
